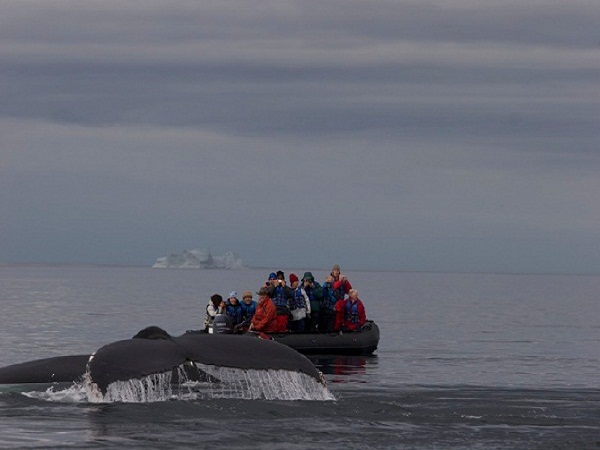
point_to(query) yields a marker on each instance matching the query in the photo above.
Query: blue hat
(272, 276)
(233, 294)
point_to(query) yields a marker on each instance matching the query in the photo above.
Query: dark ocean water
(465, 361)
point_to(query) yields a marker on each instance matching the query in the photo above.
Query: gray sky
(453, 135)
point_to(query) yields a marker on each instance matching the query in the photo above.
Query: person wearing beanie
(280, 294)
(327, 310)
(214, 307)
(272, 279)
(248, 309)
(233, 309)
(314, 292)
(299, 305)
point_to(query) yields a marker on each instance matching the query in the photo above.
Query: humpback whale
(154, 351)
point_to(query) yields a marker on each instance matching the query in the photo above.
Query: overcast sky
(445, 135)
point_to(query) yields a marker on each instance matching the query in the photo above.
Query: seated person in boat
(350, 313)
(248, 309)
(233, 309)
(265, 318)
(314, 292)
(299, 305)
(327, 309)
(341, 285)
(214, 307)
(279, 294)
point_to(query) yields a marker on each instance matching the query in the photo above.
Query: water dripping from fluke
(195, 381)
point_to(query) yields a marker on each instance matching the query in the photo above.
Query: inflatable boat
(362, 342)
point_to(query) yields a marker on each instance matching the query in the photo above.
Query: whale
(155, 351)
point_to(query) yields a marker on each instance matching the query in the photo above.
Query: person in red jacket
(350, 313)
(265, 317)
(341, 285)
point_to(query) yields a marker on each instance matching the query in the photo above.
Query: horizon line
(140, 266)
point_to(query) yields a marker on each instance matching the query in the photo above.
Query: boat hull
(362, 342)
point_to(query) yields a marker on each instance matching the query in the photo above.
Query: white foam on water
(75, 393)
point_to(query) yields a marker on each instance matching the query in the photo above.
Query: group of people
(303, 305)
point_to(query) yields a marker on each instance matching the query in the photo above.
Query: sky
(429, 135)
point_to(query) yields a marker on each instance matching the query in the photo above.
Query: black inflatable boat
(363, 342)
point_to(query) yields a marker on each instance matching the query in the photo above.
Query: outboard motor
(222, 324)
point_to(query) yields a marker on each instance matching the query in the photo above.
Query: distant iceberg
(199, 259)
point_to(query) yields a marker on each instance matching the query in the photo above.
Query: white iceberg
(199, 259)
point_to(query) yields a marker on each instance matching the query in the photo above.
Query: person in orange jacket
(265, 317)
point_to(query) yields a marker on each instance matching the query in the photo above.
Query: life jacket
(328, 302)
(278, 298)
(339, 292)
(314, 301)
(297, 301)
(235, 312)
(280, 301)
(248, 311)
(351, 312)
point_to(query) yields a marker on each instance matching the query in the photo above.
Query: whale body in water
(154, 351)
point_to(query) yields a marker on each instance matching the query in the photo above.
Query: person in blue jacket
(233, 309)
(327, 312)
(314, 292)
(280, 293)
(248, 309)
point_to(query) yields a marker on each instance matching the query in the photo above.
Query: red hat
(293, 278)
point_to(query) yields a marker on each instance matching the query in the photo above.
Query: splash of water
(194, 381)
(75, 393)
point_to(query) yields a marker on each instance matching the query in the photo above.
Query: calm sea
(465, 361)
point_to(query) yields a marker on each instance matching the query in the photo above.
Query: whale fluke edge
(152, 351)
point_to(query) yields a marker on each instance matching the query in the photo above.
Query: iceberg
(199, 259)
